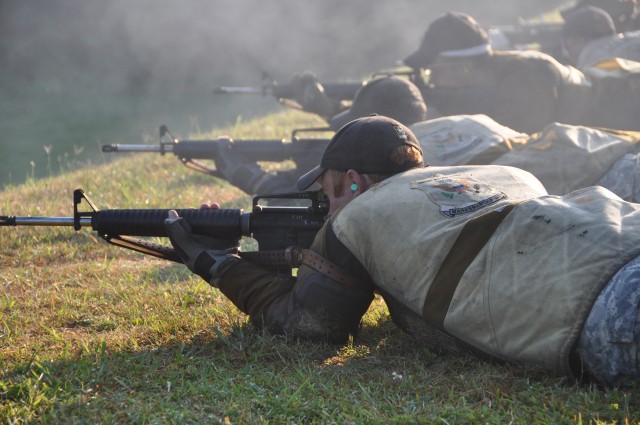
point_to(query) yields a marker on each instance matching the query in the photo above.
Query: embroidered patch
(457, 195)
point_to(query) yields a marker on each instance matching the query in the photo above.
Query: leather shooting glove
(236, 169)
(310, 94)
(199, 253)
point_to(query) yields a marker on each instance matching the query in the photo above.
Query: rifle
(343, 91)
(285, 92)
(305, 152)
(545, 37)
(274, 228)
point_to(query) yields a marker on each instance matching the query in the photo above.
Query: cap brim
(421, 58)
(337, 121)
(309, 178)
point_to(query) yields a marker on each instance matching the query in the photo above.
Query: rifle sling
(295, 257)
(470, 241)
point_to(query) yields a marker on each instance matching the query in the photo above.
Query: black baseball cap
(621, 11)
(588, 22)
(365, 145)
(389, 95)
(453, 34)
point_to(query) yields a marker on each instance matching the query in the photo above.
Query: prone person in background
(611, 62)
(563, 157)
(589, 36)
(391, 95)
(388, 95)
(470, 259)
(523, 90)
(624, 13)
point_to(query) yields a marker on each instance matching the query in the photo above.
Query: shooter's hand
(199, 253)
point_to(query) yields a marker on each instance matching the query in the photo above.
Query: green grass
(91, 333)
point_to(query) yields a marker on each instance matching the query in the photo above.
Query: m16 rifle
(544, 37)
(285, 93)
(346, 91)
(281, 232)
(305, 152)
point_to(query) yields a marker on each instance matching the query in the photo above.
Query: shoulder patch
(458, 195)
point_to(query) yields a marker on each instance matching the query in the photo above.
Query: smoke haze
(84, 72)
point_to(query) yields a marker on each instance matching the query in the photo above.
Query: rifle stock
(274, 228)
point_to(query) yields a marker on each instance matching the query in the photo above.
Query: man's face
(328, 184)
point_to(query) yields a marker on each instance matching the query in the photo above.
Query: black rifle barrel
(207, 149)
(548, 36)
(273, 227)
(12, 220)
(119, 147)
(257, 150)
(343, 91)
(220, 223)
(240, 90)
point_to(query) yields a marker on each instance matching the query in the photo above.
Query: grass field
(91, 333)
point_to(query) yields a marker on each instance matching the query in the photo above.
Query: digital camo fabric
(609, 342)
(623, 178)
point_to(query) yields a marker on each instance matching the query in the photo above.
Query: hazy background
(78, 73)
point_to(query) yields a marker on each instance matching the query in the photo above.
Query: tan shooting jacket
(486, 255)
(563, 157)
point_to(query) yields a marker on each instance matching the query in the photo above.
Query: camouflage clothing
(610, 339)
(623, 178)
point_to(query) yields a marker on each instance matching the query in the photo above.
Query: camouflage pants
(609, 343)
(623, 178)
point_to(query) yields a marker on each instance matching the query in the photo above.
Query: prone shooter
(237, 160)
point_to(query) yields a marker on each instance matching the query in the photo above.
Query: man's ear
(355, 182)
